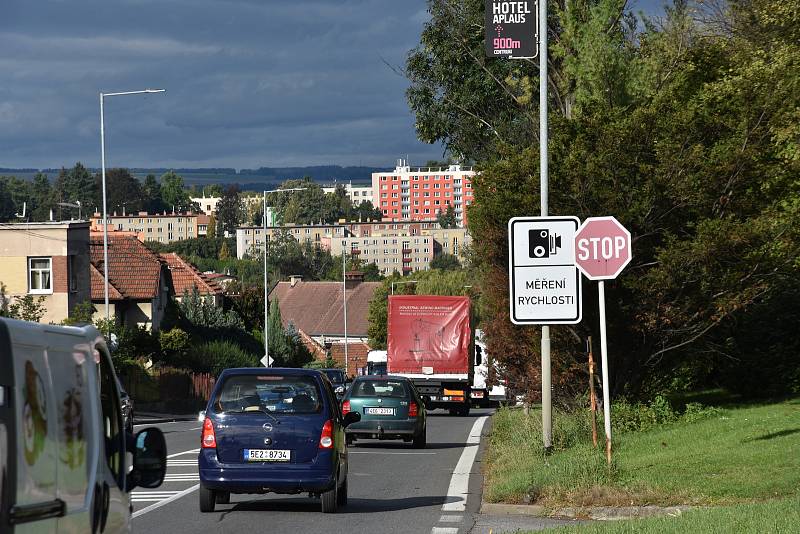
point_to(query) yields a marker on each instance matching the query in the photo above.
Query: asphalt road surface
(392, 488)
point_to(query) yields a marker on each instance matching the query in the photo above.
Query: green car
(390, 408)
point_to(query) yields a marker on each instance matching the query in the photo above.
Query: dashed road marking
(444, 530)
(451, 519)
(159, 504)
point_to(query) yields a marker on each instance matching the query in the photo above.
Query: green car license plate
(379, 411)
(267, 455)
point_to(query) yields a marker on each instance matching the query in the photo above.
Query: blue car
(270, 430)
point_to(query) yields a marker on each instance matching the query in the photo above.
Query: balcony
(355, 251)
(406, 260)
(406, 250)
(407, 268)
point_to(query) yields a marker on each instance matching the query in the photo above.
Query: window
(40, 278)
(111, 424)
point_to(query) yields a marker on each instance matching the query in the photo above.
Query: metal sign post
(513, 29)
(602, 250)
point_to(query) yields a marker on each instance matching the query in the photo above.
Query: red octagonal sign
(602, 248)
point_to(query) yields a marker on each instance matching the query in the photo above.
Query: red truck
(429, 341)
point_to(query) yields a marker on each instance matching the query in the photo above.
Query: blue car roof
(285, 371)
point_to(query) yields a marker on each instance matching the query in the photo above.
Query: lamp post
(266, 361)
(103, 170)
(344, 301)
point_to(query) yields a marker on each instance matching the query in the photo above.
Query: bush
(174, 346)
(216, 356)
(639, 417)
(327, 363)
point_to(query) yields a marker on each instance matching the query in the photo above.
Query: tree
(285, 345)
(41, 198)
(224, 253)
(445, 262)
(151, 191)
(447, 219)
(81, 314)
(213, 190)
(76, 185)
(174, 193)
(230, 210)
(685, 131)
(211, 231)
(367, 212)
(201, 312)
(123, 192)
(7, 208)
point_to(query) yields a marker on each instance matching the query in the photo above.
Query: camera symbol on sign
(541, 244)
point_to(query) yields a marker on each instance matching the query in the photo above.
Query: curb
(599, 513)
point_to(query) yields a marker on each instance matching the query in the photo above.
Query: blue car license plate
(267, 455)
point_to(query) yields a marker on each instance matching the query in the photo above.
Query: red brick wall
(60, 275)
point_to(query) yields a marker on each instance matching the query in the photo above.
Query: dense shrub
(217, 355)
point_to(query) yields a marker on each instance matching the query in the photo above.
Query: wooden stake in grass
(592, 398)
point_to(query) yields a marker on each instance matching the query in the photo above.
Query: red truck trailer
(429, 341)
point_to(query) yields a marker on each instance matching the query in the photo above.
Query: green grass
(771, 517)
(736, 455)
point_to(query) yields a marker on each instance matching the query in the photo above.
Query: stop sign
(602, 248)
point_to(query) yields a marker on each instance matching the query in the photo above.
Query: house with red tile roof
(317, 310)
(184, 278)
(138, 281)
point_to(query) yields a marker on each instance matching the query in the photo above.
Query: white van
(63, 462)
(376, 362)
(481, 394)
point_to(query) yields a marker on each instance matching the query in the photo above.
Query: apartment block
(47, 259)
(164, 228)
(420, 193)
(356, 193)
(250, 239)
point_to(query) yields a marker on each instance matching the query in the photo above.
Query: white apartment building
(356, 193)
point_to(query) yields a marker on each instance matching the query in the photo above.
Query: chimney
(294, 279)
(352, 279)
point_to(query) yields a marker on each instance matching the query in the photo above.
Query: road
(392, 488)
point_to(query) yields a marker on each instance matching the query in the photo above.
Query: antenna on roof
(24, 208)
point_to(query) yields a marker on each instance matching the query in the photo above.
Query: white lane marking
(157, 505)
(444, 530)
(459, 483)
(181, 462)
(384, 453)
(151, 496)
(184, 452)
(451, 519)
(196, 428)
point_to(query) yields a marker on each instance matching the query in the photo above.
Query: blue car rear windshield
(270, 394)
(380, 388)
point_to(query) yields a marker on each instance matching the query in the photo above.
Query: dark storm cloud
(249, 83)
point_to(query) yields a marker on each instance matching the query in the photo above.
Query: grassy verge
(734, 455)
(774, 516)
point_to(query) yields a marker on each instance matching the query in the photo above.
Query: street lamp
(103, 167)
(266, 361)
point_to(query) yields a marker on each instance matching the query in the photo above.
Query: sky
(249, 83)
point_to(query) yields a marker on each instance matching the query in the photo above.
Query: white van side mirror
(149, 459)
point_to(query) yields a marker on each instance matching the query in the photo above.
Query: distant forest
(254, 179)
